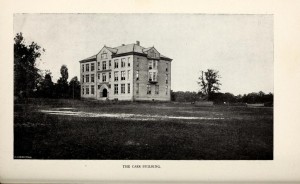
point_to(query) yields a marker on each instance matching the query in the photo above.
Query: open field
(74, 129)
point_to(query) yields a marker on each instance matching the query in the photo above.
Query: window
(83, 90)
(104, 65)
(154, 64)
(156, 89)
(167, 67)
(82, 68)
(87, 90)
(87, 78)
(116, 89)
(92, 66)
(104, 55)
(128, 62)
(122, 88)
(137, 88)
(138, 62)
(98, 76)
(92, 89)
(109, 63)
(154, 76)
(128, 88)
(167, 90)
(167, 80)
(87, 68)
(98, 66)
(122, 75)
(109, 86)
(103, 77)
(82, 78)
(109, 76)
(137, 75)
(98, 86)
(150, 65)
(93, 78)
(150, 76)
(116, 63)
(148, 89)
(123, 62)
(116, 76)
(128, 74)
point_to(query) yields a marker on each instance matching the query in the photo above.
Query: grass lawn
(74, 129)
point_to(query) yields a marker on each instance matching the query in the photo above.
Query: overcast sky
(240, 47)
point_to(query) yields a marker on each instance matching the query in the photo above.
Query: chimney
(138, 43)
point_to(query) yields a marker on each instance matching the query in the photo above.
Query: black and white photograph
(113, 86)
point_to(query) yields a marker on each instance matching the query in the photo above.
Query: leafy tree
(74, 88)
(25, 70)
(62, 86)
(45, 86)
(209, 82)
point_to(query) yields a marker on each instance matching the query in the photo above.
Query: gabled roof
(124, 49)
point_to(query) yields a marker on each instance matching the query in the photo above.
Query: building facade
(128, 72)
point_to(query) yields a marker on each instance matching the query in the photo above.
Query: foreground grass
(244, 133)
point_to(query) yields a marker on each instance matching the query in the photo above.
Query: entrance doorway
(104, 93)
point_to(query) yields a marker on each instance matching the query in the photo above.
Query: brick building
(128, 72)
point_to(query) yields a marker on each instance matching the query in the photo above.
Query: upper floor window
(82, 78)
(116, 63)
(104, 65)
(167, 67)
(87, 78)
(92, 66)
(83, 90)
(103, 77)
(128, 88)
(150, 65)
(154, 76)
(150, 76)
(87, 67)
(98, 76)
(82, 67)
(104, 55)
(128, 74)
(116, 76)
(123, 62)
(154, 64)
(109, 75)
(148, 89)
(98, 66)
(137, 75)
(167, 78)
(93, 78)
(138, 62)
(109, 64)
(122, 75)
(129, 62)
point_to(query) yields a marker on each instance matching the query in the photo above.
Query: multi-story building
(128, 72)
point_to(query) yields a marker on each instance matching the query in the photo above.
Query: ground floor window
(92, 89)
(83, 90)
(128, 88)
(157, 89)
(148, 89)
(122, 88)
(137, 88)
(87, 90)
(116, 89)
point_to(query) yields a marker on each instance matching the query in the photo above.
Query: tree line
(29, 81)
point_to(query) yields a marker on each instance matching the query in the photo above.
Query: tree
(62, 86)
(25, 70)
(74, 88)
(209, 82)
(45, 85)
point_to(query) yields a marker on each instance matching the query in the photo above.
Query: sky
(240, 47)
